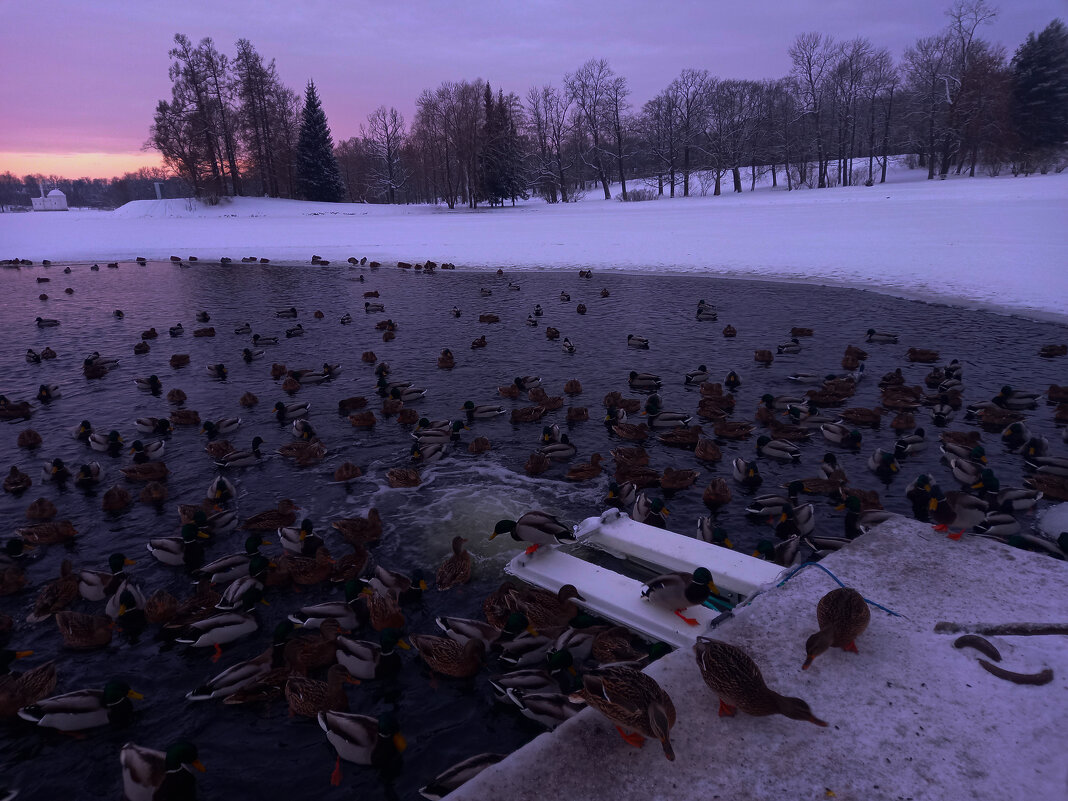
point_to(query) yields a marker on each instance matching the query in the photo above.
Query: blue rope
(837, 580)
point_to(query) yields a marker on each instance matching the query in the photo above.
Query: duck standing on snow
(733, 675)
(843, 615)
(633, 701)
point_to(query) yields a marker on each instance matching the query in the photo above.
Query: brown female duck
(633, 701)
(843, 616)
(272, 519)
(309, 697)
(82, 632)
(457, 568)
(446, 656)
(361, 530)
(732, 674)
(48, 533)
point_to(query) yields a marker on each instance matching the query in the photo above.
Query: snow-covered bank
(993, 243)
(910, 716)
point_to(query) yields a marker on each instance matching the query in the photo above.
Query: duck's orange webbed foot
(633, 738)
(690, 621)
(726, 710)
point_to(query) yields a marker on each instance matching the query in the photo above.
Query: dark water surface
(265, 752)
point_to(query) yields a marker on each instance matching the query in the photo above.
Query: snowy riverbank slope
(994, 243)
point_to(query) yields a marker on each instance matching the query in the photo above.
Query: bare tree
(588, 87)
(813, 57)
(692, 90)
(385, 136)
(617, 106)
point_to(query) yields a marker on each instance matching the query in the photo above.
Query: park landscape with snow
(992, 243)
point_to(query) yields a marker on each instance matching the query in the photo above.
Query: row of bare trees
(954, 102)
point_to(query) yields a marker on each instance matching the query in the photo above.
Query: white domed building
(53, 201)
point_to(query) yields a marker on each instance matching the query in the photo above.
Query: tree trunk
(774, 178)
(736, 174)
(716, 192)
(686, 171)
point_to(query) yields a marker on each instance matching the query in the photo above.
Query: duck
(661, 419)
(261, 341)
(716, 494)
(845, 436)
(560, 451)
(881, 337)
(635, 341)
(16, 481)
(403, 477)
(361, 530)
(84, 632)
(222, 490)
(363, 740)
(543, 609)
(159, 426)
(458, 775)
(89, 475)
(242, 458)
(147, 452)
(778, 449)
(99, 585)
(220, 629)
(911, 444)
(644, 381)
(633, 701)
(46, 322)
(146, 471)
(47, 533)
(448, 657)
(20, 689)
(457, 568)
(957, 510)
(148, 774)
(746, 473)
(291, 312)
(272, 519)
(733, 675)
(883, 464)
(84, 709)
(309, 697)
(568, 346)
(383, 609)
(697, 377)
(649, 512)
(176, 330)
(677, 592)
(843, 615)
(287, 412)
(184, 550)
(586, 471)
(536, 527)
(484, 412)
(301, 539)
(55, 471)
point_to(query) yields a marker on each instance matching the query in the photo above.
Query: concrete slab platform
(911, 717)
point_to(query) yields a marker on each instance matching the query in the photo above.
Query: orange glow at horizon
(77, 165)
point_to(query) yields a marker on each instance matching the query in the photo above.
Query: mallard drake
(883, 464)
(679, 591)
(843, 615)
(633, 701)
(84, 709)
(245, 673)
(289, 313)
(55, 471)
(369, 660)
(258, 340)
(733, 675)
(643, 381)
(287, 412)
(881, 337)
(777, 449)
(621, 496)
(347, 613)
(658, 418)
(89, 475)
(1016, 400)
(746, 473)
(635, 341)
(843, 435)
(248, 458)
(56, 596)
(363, 740)
(481, 412)
(148, 774)
(184, 551)
(539, 528)
(448, 657)
(458, 775)
(147, 451)
(218, 630)
(560, 451)
(98, 585)
(956, 510)
(47, 533)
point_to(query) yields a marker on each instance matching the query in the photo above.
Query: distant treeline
(94, 193)
(954, 103)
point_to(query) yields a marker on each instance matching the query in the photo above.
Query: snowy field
(991, 243)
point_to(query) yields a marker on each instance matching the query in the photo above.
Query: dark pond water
(264, 751)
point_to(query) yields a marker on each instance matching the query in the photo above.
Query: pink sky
(81, 79)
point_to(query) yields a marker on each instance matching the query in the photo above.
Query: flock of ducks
(559, 659)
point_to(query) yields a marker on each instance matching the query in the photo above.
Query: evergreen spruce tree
(1040, 90)
(318, 173)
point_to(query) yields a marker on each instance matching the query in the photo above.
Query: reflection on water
(255, 750)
